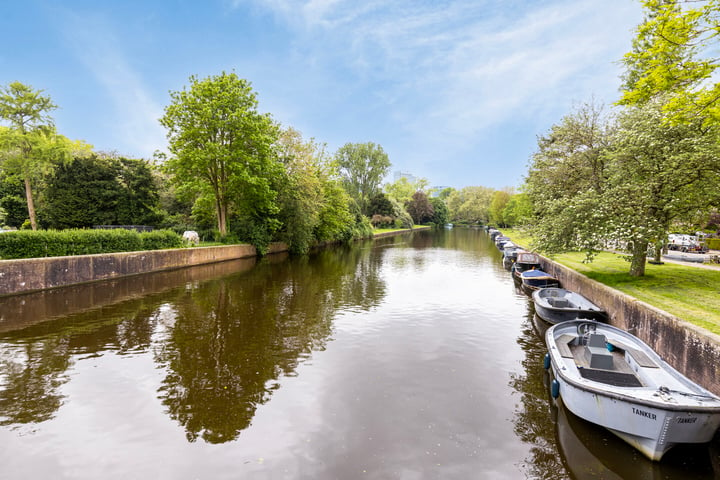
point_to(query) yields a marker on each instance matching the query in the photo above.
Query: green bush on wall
(57, 243)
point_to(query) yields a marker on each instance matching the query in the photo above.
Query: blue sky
(455, 91)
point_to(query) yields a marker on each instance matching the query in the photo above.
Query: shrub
(713, 243)
(160, 239)
(57, 243)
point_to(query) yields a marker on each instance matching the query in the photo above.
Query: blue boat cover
(535, 273)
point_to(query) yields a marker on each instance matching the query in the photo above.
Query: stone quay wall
(33, 274)
(693, 351)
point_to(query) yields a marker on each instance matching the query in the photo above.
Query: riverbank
(689, 341)
(36, 274)
(687, 290)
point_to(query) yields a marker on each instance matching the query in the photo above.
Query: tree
(81, 194)
(672, 58)
(518, 210)
(420, 208)
(222, 146)
(500, 200)
(139, 196)
(470, 205)
(660, 172)
(623, 185)
(100, 190)
(402, 189)
(300, 194)
(440, 215)
(362, 167)
(335, 219)
(566, 179)
(29, 147)
(12, 202)
(380, 204)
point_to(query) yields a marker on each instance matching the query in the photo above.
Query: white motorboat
(611, 378)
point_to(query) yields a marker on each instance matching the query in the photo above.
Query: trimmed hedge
(58, 243)
(713, 243)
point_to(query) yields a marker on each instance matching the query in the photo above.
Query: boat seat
(563, 345)
(558, 302)
(638, 355)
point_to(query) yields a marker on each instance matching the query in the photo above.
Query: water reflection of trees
(534, 410)
(225, 342)
(233, 339)
(31, 376)
(34, 361)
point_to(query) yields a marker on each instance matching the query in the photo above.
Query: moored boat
(524, 261)
(510, 255)
(555, 305)
(536, 279)
(501, 241)
(613, 379)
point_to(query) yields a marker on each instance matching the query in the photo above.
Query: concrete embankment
(37, 274)
(33, 274)
(692, 350)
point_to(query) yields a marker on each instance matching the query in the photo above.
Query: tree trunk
(639, 257)
(221, 217)
(658, 251)
(222, 223)
(30, 204)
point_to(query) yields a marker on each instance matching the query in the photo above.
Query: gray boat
(555, 305)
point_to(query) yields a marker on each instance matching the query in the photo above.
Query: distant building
(409, 176)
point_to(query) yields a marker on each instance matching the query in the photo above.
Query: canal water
(412, 357)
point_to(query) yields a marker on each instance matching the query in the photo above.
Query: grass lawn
(688, 292)
(388, 230)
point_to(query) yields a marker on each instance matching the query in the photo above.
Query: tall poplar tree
(362, 167)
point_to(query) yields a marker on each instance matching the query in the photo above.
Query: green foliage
(29, 147)
(713, 243)
(499, 202)
(257, 231)
(54, 243)
(300, 189)
(380, 204)
(470, 205)
(100, 190)
(402, 189)
(402, 217)
(15, 210)
(441, 214)
(672, 58)
(221, 145)
(596, 185)
(362, 167)
(335, 219)
(160, 239)
(518, 211)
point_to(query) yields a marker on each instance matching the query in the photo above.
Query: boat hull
(652, 431)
